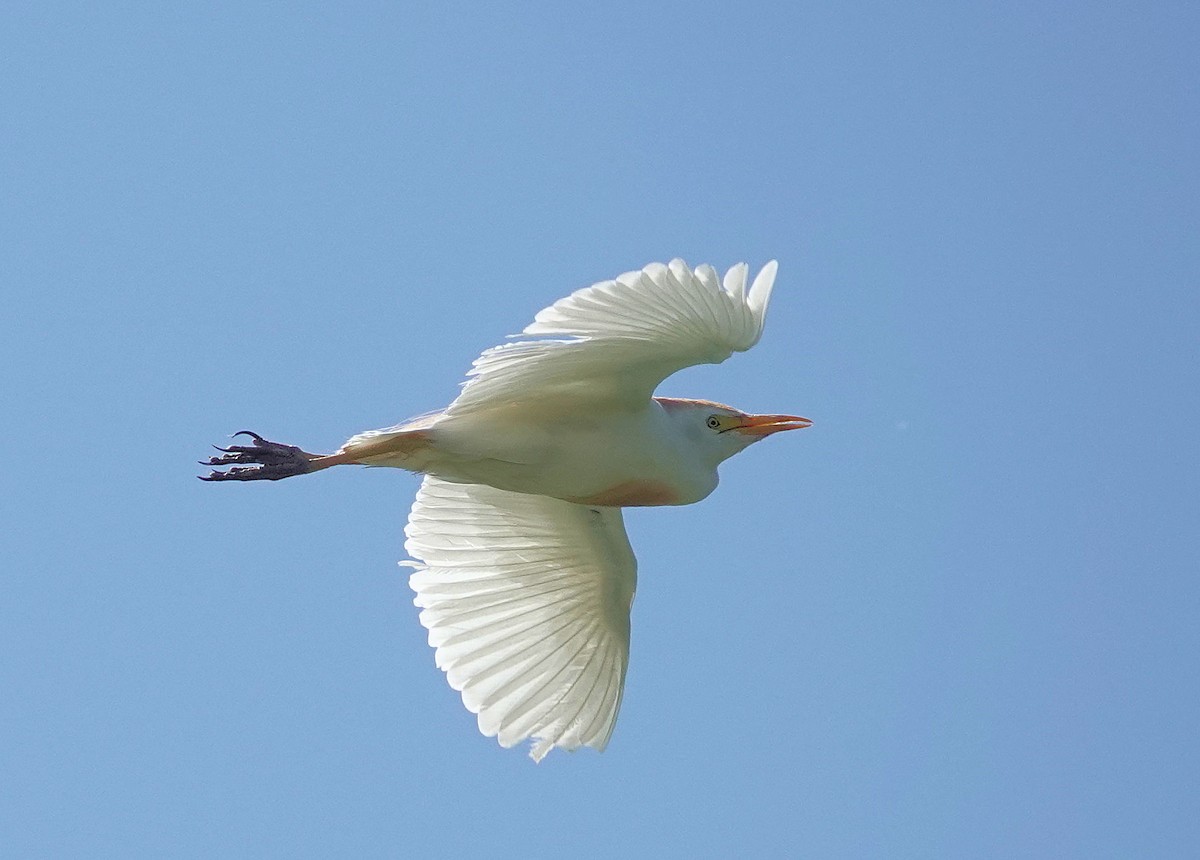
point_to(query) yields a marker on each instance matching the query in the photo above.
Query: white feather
(612, 343)
(526, 599)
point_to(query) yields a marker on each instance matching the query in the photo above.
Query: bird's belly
(620, 493)
(580, 462)
(630, 494)
(588, 484)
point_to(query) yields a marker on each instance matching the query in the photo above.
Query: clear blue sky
(956, 618)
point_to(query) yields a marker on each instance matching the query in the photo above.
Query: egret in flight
(524, 574)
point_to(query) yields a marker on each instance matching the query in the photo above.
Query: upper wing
(527, 600)
(613, 343)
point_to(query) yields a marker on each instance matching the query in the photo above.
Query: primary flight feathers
(619, 339)
(526, 599)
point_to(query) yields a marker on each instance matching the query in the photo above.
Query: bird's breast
(629, 494)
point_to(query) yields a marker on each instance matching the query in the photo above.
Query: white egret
(524, 574)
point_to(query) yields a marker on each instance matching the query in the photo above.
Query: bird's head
(721, 431)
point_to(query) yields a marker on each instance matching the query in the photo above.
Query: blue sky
(955, 618)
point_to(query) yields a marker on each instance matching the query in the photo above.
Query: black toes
(269, 461)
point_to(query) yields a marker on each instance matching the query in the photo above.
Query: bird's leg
(267, 461)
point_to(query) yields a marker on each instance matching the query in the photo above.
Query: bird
(522, 568)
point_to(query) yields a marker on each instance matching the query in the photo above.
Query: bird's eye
(713, 422)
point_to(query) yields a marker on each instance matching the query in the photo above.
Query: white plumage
(618, 339)
(524, 574)
(527, 603)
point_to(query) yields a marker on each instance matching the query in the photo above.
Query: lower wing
(526, 599)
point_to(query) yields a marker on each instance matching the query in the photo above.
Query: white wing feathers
(526, 599)
(615, 341)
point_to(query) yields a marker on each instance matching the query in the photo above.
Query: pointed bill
(765, 425)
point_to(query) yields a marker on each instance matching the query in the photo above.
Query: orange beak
(765, 425)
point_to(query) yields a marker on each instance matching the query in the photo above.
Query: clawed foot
(269, 461)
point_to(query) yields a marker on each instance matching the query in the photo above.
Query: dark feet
(269, 461)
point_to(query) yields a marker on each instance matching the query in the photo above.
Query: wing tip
(760, 292)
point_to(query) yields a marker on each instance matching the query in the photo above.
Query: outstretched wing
(612, 343)
(526, 599)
